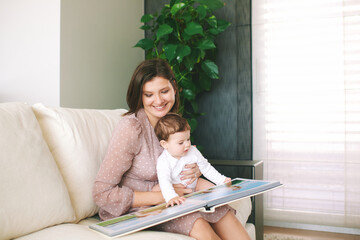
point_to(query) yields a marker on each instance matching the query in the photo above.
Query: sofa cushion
(78, 140)
(33, 193)
(83, 232)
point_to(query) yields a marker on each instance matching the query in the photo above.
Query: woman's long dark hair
(145, 72)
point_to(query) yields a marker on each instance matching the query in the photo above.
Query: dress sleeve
(123, 147)
(209, 171)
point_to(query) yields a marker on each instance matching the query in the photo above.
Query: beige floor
(313, 235)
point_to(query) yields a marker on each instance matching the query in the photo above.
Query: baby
(173, 132)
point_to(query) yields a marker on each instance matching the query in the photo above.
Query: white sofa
(49, 158)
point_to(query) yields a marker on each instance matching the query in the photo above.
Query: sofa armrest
(255, 165)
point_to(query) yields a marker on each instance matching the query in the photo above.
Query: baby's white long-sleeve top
(169, 169)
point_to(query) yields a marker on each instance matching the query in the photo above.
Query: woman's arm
(147, 199)
(123, 147)
(155, 197)
(180, 189)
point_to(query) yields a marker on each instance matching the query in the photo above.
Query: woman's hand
(180, 189)
(192, 173)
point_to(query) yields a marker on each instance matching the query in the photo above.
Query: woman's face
(158, 98)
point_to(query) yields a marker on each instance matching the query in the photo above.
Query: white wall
(97, 54)
(71, 53)
(30, 51)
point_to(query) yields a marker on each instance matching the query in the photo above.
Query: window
(306, 109)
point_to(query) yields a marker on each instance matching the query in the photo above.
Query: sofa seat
(81, 231)
(49, 159)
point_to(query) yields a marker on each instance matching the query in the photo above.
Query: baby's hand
(175, 201)
(227, 180)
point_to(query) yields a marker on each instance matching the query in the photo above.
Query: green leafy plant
(184, 33)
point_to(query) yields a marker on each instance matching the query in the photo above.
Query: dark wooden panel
(217, 129)
(243, 10)
(152, 6)
(244, 91)
(226, 129)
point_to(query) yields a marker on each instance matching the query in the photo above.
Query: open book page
(237, 189)
(146, 218)
(204, 200)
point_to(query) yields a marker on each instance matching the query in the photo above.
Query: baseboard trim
(312, 227)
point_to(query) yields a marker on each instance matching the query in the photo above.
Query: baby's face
(179, 144)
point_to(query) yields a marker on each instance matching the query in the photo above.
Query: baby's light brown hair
(169, 124)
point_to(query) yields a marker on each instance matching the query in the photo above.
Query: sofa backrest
(78, 140)
(32, 191)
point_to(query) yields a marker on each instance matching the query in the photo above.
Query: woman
(127, 178)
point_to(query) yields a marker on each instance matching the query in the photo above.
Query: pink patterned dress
(130, 165)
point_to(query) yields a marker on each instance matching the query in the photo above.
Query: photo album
(205, 200)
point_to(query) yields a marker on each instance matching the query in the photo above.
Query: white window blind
(306, 109)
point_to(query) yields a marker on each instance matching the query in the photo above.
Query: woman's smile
(160, 107)
(158, 98)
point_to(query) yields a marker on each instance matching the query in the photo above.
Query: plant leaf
(202, 54)
(146, 18)
(195, 55)
(193, 28)
(177, 7)
(206, 44)
(186, 16)
(222, 25)
(145, 27)
(182, 51)
(189, 62)
(162, 56)
(186, 36)
(172, 2)
(188, 84)
(212, 4)
(212, 21)
(149, 55)
(160, 19)
(211, 69)
(201, 10)
(214, 31)
(145, 44)
(170, 51)
(163, 30)
(188, 94)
